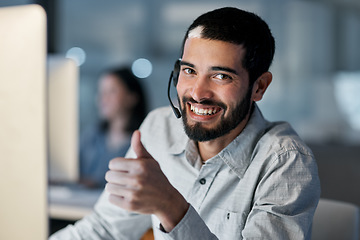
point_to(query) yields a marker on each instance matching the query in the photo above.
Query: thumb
(137, 145)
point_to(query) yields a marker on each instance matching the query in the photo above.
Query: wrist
(170, 216)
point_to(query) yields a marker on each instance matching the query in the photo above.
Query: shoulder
(271, 139)
(161, 127)
(160, 113)
(280, 147)
(280, 137)
(160, 119)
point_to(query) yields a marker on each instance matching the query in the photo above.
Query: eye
(222, 76)
(189, 71)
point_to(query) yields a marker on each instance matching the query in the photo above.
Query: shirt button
(202, 181)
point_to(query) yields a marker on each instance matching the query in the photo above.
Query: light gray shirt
(263, 185)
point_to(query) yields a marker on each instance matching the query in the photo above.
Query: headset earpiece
(176, 72)
(174, 77)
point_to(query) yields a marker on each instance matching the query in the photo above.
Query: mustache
(204, 102)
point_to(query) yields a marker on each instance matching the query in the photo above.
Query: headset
(174, 77)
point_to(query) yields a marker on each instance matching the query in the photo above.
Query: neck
(118, 124)
(117, 133)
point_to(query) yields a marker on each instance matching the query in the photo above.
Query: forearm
(106, 222)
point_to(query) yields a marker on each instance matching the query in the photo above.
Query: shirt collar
(237, 155)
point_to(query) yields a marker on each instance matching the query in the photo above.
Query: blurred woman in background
(122, 108)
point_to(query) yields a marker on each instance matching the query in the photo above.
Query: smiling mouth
(208, 111)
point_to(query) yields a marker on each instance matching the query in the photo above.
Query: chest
(221, 198)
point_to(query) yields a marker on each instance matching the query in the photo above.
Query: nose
(201, 89)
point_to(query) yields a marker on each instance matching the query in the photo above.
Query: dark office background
(316, 67)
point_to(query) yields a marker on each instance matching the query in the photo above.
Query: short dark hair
(133, 85)
(239, 27)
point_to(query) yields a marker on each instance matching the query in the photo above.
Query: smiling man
(223, 171)
(216, 94)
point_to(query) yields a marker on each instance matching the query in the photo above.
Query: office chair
(334, 220)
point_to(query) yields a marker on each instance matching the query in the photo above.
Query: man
(231, 174)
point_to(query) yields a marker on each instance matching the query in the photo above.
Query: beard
(198, 133)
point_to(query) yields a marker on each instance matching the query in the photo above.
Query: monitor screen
(23, 143)
(63, 119)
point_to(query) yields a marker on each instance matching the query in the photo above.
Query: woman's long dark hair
(132, 83)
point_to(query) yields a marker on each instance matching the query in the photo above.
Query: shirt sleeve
(106, 222)
(285, 199)
(191, 227)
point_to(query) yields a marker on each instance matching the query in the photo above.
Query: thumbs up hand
(139, 185)
(138, 147)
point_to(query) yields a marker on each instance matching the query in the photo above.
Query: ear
(260, 86)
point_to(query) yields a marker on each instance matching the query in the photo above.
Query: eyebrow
(215, 68)
(225, 69)
(187, 64)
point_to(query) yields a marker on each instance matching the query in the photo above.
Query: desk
(71, 202)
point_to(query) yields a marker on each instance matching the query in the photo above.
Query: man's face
(213, 88)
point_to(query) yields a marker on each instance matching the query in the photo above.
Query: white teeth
(202, 111)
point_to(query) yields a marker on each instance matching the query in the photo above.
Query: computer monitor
(23, 143)
(63, 119)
